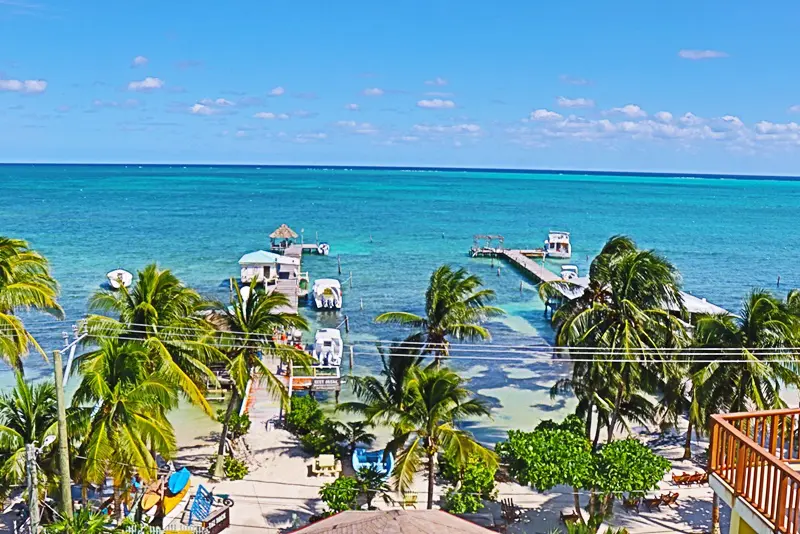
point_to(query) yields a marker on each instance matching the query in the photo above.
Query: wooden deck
(530, 266)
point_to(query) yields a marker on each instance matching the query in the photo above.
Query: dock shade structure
(393, 522)
(282, 238)
(267, 267)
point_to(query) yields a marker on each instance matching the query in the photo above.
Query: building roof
(697, 305)
(283, 232)
(259, 257)
(394, 522)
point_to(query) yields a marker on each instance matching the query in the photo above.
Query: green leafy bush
(304, 416)
(475, 480)
(235, 469)
(319, 442)
(341, 494)
(84, 521)
(373, 483)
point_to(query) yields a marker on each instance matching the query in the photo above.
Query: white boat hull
(119, 278)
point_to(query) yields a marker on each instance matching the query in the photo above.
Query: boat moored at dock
(327, 294)
(558, 245)
(328, 346)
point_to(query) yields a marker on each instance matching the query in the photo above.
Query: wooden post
(63, 440)
(362, 303)
(351, 279)
(352, 357)
(33, 487)
(347, 324)
(339, 261)
(520, 286)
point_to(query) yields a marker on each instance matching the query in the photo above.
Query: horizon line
(497, 170)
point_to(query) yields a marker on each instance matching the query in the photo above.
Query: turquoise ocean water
(391, 228)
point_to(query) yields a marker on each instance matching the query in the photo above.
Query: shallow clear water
(391, 229)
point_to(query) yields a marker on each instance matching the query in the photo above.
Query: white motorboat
(569, 272)
(328, 347)
(557, 245)
(323, 249)
(119, 278)
(327, 294)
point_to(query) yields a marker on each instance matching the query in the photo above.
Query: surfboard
(151, 496)
(178, 480)
(171, 501)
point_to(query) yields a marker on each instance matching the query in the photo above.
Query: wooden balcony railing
(754, 454)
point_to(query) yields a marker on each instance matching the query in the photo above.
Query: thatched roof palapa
(283, 232)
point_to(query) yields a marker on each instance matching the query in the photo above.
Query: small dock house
(267, 267)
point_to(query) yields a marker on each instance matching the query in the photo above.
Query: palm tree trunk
(715, 514)
(589, 417)
(687, 447)
(615, 414)
(219, 467)
(596, 435)
(576, 502)
(431, 456)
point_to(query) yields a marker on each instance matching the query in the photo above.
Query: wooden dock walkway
(529, 266)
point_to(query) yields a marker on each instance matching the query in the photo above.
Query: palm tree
(163, 313)
(25, 284)
(27, 415)
(437, 402)
(118, 413)
(624, 313)
(755, 380)
(455, 307)
(247, 329)
(353, 433)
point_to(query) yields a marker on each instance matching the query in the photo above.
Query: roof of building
(283, 232)
(262, 257)
(394, 522)
(697, 305)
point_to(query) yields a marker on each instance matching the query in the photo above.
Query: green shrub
(304, 416)
(476, 483)
(235, 469)
(319, 442)
(341, 494)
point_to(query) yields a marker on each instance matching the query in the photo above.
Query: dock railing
(753, 453)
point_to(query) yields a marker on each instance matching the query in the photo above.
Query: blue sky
(682, 86)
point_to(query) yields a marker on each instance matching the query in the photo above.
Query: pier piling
(351, 279)
(352, 357)
(339, 262)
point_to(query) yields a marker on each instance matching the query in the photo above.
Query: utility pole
(63, 439)
(33, 491)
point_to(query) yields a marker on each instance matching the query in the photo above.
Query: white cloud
(241, 133)
(203, 109)
(570, 80)
(701, 54)
(664, 116)
(771, 128)
(794, 109)
(629, 110)
(268, 115)
(364, 128)
(148, 84)
(220, 102)
(139, 61)
(691, 119)
(277, 91)
(373, 91)
(23, 86)
(733, 121)
(307, 137)
(436, 103)
(544, 115)
(351, 107)
(436, 81)
(456, 128)
(575, 102)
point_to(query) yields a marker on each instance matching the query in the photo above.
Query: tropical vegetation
(25, 284)
(456, 303)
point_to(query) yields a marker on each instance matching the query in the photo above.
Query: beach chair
(680, 480)
(631, 503)
(669, 499)
(569, 517)
(695, 478)
(409, 501)
(654, 502)
(511, 513)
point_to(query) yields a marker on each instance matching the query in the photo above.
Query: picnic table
(326, 464)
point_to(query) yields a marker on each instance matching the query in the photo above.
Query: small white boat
(327, 294)
(328, 347)
(119, 278)
(569, 272)
(323, 249)
(557, 245)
